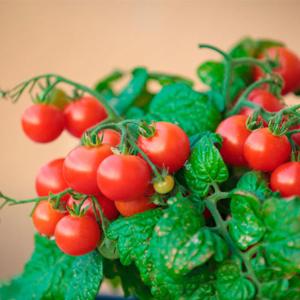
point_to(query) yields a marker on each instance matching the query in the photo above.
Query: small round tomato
(110, 137)
(296, 136)
(50, 179)
(83, 114)
(165, 186)
(264, 99)
(45, 218)
(123, 177)
(286, 179)
(234, 132)
(76, 235)
(168, 148)
(133, 207)
(80, 168)
(108, 206)
(43, 123)
(288, 69)
(58, 98)
(264, 151)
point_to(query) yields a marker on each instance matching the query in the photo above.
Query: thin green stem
(264, 65)
(103, 219)
(211, 47)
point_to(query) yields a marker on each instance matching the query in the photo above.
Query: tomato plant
(264, 151)
(50, 179)
(80, 168)
(43, 123)
(168, 147)
(110, 137)
(123, 177)
(286, 179)
(234, 132)
(83, 114)
(45, 218)
(77, 235)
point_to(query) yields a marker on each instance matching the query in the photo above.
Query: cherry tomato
(165, 186)
(264, 151)
(77, 235)
(133, 207)
(50, 179)
(110, 137)
(45, 218)
(289, 67)
(286, 179)
(234, 133)
(80, 168)
(123, 177)
(168, 148)
(43, 123)
(58, 98)
(296, 136)
(83, 114)
(264, 99)
(108, 207)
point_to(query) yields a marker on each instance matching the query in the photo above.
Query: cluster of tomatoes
(263, 149)
(97, 180)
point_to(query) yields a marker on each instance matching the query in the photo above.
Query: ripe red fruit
(168, 148)
(264, 151)
(234, 132)
(83, 114)
(45, 218)
(80, 168)
(123, 177)
(110, 137)
(43, 123)
(286, 179)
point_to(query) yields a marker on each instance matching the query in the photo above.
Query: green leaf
(86, 278)
(282, 239)
(192, 111)
(255, 183)
(132, 91)
(246, 226)
(49, 272)
(205, 167)
(165, 79)
(105, 83)
(133, 236)
(180, 243)
(231, 284)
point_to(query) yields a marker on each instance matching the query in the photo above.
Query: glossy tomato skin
(265, 99)
(123, 177)
(286, 179)
(45, 218)
(50, 179)
(234, 132)
(43, 123)
(110, 137)
(168, 148)
(296, 136)
(108, 207)
(77, 235)
(130, 208)
(264, 151)
(289, 68)
(83, 114)
(80, 168)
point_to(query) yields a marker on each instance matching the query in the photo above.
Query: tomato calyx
(146, 130)
(77, 209)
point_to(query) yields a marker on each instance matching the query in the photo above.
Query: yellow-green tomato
(164, 186)
(59, 98)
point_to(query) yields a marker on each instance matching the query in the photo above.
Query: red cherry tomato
(83, 114)
(110, 137)
(133, 207)
(264, 151)
(286, 179)
(45, 218)
(108, 207)
(234, 133)
(296, 136)
(289, 67)
(77, 235)
(123, 177)
(50, 179)
(80, 168)
(168, 148)
(264, 99)
(43, 123)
